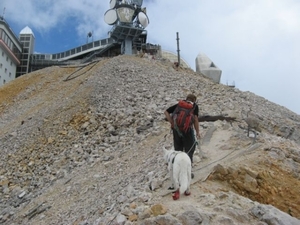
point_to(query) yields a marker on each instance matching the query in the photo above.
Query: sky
(256, 43)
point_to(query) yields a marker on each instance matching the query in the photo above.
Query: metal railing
(92, 46)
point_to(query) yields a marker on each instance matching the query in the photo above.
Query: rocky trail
(83, 145)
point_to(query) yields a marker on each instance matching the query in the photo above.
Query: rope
(83, 67)
(196, 142)
(249, 148)
(180, 134)
(217, 160)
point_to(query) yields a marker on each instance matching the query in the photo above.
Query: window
(25, 56)
(2, 53)
(0, 65)
(7, 58)
(5, 70)
(9, 44)
(9, 74)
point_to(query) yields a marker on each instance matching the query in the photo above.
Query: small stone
(22, 194)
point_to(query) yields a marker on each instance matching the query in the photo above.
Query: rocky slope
(83, 145)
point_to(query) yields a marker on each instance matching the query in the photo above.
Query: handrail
(75, 51)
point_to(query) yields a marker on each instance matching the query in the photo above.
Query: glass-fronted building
(27, 40)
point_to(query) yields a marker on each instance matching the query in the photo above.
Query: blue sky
(254, 42)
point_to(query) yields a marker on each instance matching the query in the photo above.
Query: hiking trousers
(185, 142)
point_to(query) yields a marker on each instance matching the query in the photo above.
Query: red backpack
(183, 115)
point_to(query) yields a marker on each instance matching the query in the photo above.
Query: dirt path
(203, 192)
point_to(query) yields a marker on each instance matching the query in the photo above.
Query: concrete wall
(205, 66)
(7, 67)
(8, 59)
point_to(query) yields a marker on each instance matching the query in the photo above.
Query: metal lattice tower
(129, 21)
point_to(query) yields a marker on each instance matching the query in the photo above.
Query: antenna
(3, 13)
(89, 34)
(129, 22)
(178, 50)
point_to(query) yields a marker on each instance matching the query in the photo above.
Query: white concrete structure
(205, 66)
(10, 53)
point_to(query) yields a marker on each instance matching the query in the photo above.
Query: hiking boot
(192, 175)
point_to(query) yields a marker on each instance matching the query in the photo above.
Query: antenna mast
(3, 13)
(178, 50)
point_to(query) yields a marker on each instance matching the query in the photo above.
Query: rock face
(83, 145)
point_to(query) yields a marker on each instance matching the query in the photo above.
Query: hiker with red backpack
(183, 118)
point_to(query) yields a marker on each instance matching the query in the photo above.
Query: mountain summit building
(17, 55)
(127, 36)
(10, 53)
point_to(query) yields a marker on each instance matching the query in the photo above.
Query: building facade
(27, 40)
(10, 53)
